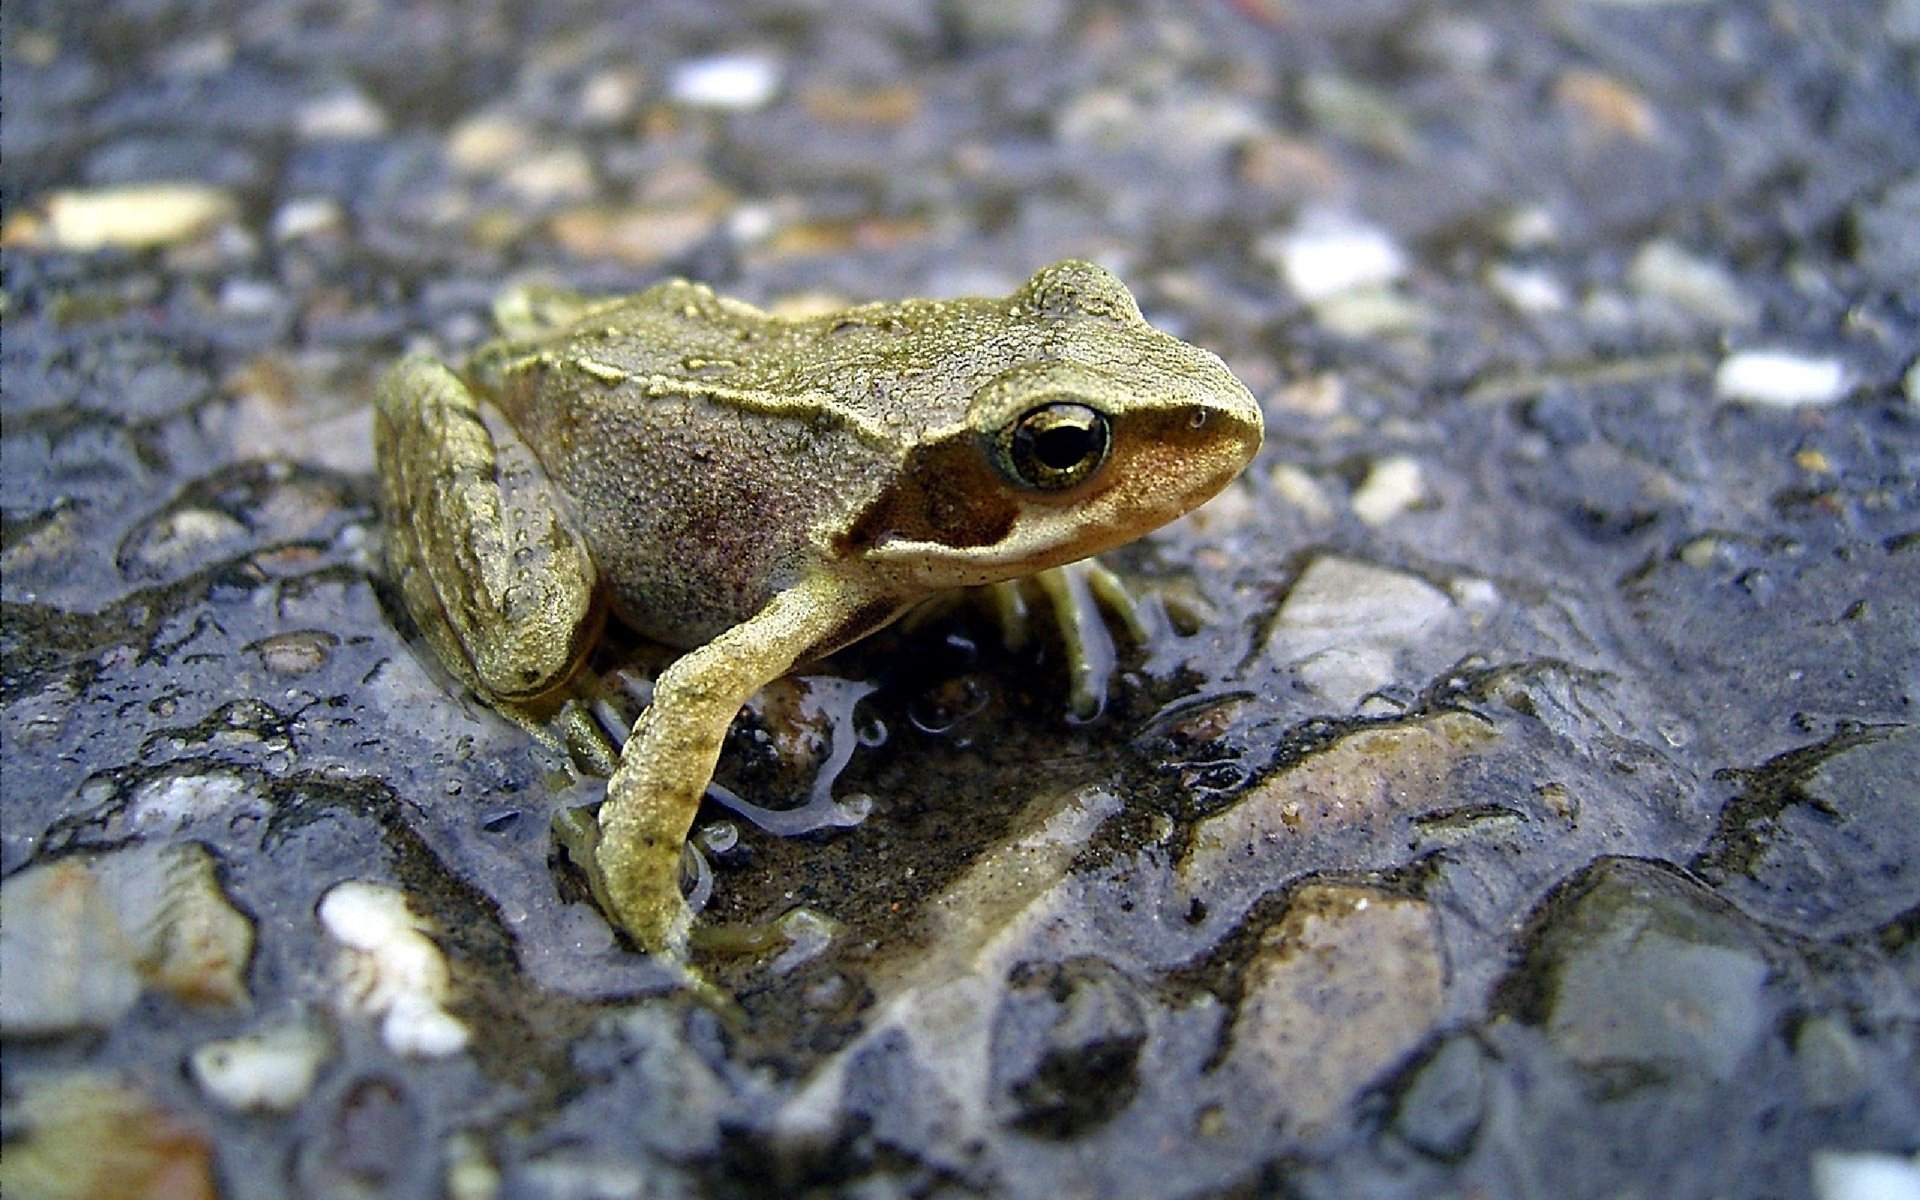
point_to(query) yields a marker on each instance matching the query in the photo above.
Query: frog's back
(709, 453)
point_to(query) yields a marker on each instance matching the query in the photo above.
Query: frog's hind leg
(501, 587)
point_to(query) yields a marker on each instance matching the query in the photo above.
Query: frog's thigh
(498, 581)
(668, 761)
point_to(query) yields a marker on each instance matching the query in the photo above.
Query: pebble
(1393, 486)
(180, 539)
(172, 803)
(555, 177)
(298, 653)
(1781, 379)
(728, 82)
(81, 939)
(392, 970)
(488, 142)
(1697, 285)
(1371, 778)
(1345, 625)
(1641, 970)
(1608, 105)
(1329, 254)
(1865, 1175)
(1347, 982)
(1911, 384)
(298, 220)
(636, 236)
(343, 115)
(93, 1137)
(1442, 1107)
(1298, 488)
(1531, 291)
(140, 217)
(269, 1071)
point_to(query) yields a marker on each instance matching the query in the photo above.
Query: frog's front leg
(669, 758)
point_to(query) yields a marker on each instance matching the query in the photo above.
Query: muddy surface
(1521, 796)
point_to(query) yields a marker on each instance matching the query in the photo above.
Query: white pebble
(269, 1071)
(139, 217)
(1327, 255)
(1864, 1175)
(1528, 290)
(1780, 379)
(1392, 486)
(735, 82)
(392, 970)
(343, 115)
(1698, 285)
(165, 805)
(305, 217)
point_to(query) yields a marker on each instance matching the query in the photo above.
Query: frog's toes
(1077, 593)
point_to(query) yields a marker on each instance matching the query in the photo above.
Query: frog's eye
(1053, 447)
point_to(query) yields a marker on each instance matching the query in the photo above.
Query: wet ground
(1524, 801)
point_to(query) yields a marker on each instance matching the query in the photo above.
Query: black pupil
(1063, 446)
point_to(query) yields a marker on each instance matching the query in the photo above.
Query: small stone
(1296, 487)
(636, 236)
(1781, 379)
(1346, 625)
(1370, 779)
(1393, 486)
(309, 217)
(1698, 285)
(1362, 114)
(80, 940)
(1911, 383)
(1640, 969)
(293, 654)
(1607, 104)
(91, 1137)
(1371, 312)
(140, 217)
(269, 1071)
(179, 538)
(1865, 1175)
(557, 176)
(609, 97)
(729, 82)
(172, 803)
(1328, 254)
(1532, 291)
(392, 970)
(1345, 983)
(343, 115)
(489, 142)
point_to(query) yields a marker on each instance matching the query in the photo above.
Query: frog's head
(1104, 429)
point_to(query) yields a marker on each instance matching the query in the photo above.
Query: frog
(755, 491)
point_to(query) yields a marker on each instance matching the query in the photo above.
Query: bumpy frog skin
(758, 491)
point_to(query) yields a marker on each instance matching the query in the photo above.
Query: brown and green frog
(757, 491)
